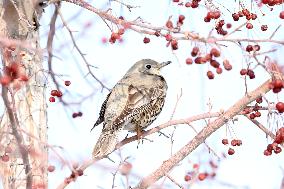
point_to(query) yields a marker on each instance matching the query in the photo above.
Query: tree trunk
(23, 126)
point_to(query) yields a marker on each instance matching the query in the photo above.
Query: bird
(132, 104)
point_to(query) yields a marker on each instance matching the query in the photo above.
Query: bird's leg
(139, 133)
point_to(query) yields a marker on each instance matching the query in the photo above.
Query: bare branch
(202, 135)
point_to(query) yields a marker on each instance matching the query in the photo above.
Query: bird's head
(147, 66)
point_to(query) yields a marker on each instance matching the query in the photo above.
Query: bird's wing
(102, 113)
(137, 101)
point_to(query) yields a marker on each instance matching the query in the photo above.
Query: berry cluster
(55, 93)
(171, 41)
(219, 27)
(169, 24)
(248, 72)
(251, 48)
(274, 146)
(211, 58)
(242, 13)
(193, 4)
(272, 2)
(254, 111)
(234, 142)
(74, 175)
(116, 35)
(212, 15)
(77, 114)
(189, 176)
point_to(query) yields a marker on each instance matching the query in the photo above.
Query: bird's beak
(163, 64)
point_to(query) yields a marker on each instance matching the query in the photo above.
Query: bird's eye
(148, 66)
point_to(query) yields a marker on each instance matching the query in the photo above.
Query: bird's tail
(105, 144)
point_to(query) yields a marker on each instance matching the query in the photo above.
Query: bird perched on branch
(133, 104)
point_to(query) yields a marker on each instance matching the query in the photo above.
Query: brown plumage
(133, 104)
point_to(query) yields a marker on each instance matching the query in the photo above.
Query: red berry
(252, 116)
(200, 60)
(51, 99)
(277, 83)
(250, 73)
(281, 15)
(181, 18)
(187, 4)
(227, 65)
(194, 4)
(210, 15)
(249, 26)
(253, 16)
(53, 93)
(195, 166)
(277, 150)
(280, 107)
(267, 153)
(146, 40)
(174, 44)
(257, 114)
(59, 94)
(79, 114)
(74, 115)
(239, 142)
(264, 27)
(202, 176)
(210, 75)
(187, 177)
(256, 47)
(188, 61)
(225, 141)
(206, 19)
(67, 83)
(5, 158)
(249, 48)
(235, 16)
(194, 51)
(259, 100)
(231, 151)
(214, 64)
(234, 142)
(219, 70)
(169, 24)
(216, 14)
(215, 52)
(279, 138)
(276, 90)
(168, 37)
(51, 168)
(228, 25)
(243, 71)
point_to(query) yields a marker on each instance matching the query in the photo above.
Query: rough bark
(24, 123)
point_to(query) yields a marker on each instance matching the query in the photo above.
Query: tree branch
(202, 135)
(19, 138)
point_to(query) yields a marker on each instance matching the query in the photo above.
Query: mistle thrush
(133, 104)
